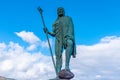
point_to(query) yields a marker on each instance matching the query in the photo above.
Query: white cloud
(100, 61)
(44, 44)
(28, 36)
(18, 63)
(5, 64)
(2, 46)
(33, 40)
(31, 47)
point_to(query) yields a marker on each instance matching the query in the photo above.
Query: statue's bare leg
(68, 53)
(58, 52)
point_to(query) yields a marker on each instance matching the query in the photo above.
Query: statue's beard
(60, 15)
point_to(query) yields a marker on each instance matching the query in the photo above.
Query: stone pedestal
(65, 74)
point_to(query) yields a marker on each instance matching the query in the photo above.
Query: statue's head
(60, 11)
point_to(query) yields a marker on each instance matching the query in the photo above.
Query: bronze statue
(63, 31)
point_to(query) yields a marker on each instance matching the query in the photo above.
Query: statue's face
(60, 11)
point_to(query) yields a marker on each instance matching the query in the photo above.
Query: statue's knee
(59, 56)
(69, 42)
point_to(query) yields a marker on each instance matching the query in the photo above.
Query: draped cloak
(63, 29)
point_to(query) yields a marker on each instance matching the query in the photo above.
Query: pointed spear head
(40, 9)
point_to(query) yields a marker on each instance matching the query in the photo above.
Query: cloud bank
(32, 40)
(100, 61)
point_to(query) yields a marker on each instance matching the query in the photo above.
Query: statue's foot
(66, 74)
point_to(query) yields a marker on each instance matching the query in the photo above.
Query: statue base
(65, 75)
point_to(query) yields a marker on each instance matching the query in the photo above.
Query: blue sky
(23, 46)
(93, 19)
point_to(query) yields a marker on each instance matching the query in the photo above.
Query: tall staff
(40, 10)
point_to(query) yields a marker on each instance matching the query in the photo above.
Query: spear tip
(40, 9)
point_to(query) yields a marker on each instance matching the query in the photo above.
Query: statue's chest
(63, 21)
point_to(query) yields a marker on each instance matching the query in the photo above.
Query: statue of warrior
(63, 31)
